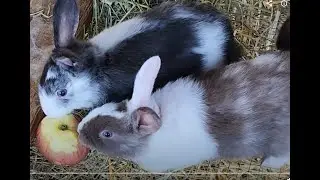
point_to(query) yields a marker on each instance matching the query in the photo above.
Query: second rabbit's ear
(144, 82)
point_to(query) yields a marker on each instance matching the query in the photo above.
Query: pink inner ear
(147, 123)
(144, 82)
(145, 120)
(65, 61)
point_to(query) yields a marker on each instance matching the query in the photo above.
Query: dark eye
(106, 134)
(62, 92)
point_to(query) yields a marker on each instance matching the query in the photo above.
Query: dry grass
(256, 25)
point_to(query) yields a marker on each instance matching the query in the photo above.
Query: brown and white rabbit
(189, 38)
(239, 111)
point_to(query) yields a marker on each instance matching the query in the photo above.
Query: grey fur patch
(249, 107)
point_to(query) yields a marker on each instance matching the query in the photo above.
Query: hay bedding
(256, 24)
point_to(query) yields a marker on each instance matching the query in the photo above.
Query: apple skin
(60, 145)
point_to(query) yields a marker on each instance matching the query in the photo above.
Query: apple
(57, 139)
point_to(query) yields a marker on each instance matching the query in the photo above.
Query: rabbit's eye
(62, 92)
(106, 134)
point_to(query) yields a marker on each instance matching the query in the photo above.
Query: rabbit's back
(249, 112)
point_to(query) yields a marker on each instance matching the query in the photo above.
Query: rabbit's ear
(64, 62)
(65, 21)
(144, 82)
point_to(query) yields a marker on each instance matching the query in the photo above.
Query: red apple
(57, 140)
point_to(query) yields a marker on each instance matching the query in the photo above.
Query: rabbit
(238, 111)
(189, 38)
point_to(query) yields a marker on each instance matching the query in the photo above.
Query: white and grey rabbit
(189, 38)
(239, 111)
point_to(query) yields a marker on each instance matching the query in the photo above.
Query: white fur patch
(265, 59)
(111, 36)
(51, 74)
(85, 94)
(50, 104)
(180, 13)
(182, 139)
(212, 39)
(276, 162)
(106, 109)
